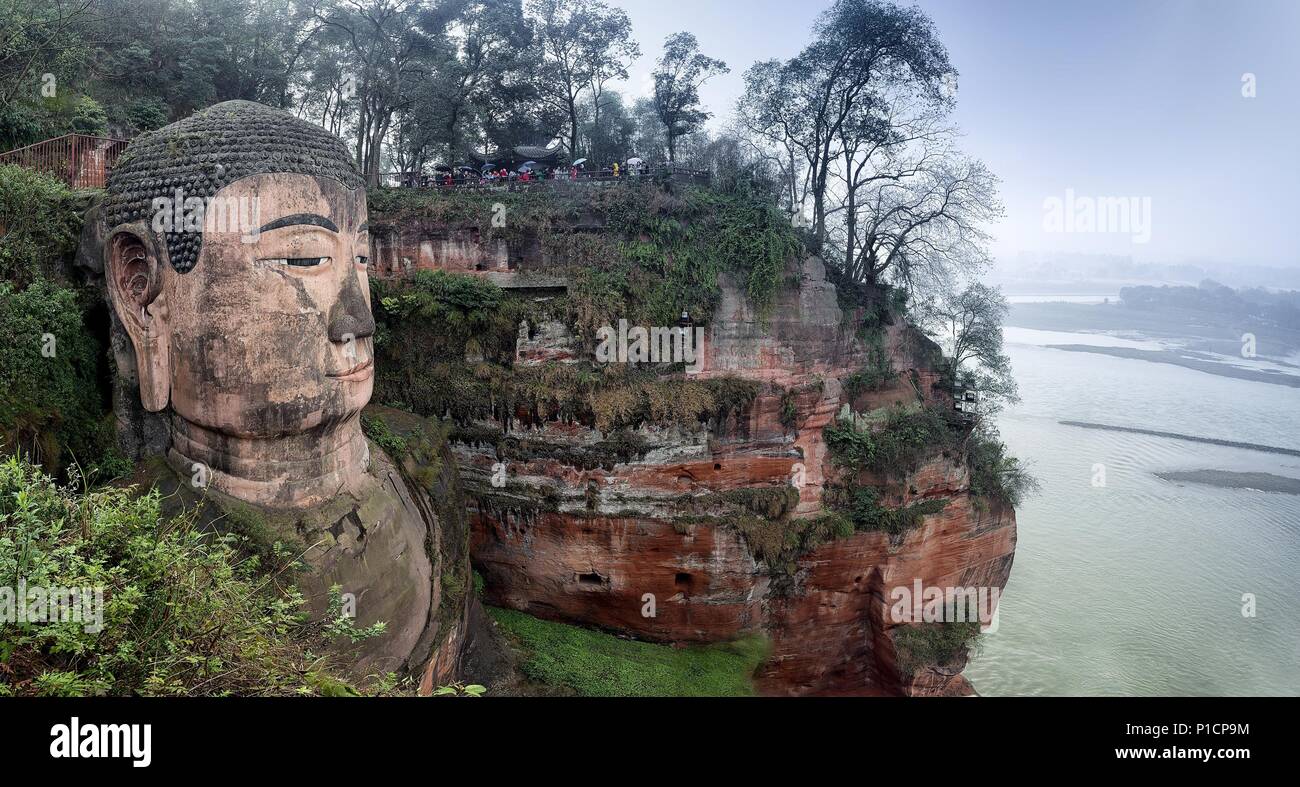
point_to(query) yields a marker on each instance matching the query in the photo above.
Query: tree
(682, 69)
(915, 223)
(43, 52)
(805, 106)
(969, 322)
(39, 37)
(585, 44)
(484, 68)
(389, 44)
(607, 135)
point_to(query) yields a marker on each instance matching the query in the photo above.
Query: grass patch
(595, 664)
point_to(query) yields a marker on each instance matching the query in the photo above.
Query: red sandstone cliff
(598, 547)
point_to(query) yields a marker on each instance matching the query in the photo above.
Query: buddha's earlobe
(133, 273)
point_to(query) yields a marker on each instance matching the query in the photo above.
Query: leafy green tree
(681, 70)
(607, 135)
(585, 45)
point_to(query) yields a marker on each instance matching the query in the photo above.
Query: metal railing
(79, 160)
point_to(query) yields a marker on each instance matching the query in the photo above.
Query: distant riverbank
(1189, 329)
(1188, 360)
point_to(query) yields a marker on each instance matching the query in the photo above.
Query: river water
(1135, 586)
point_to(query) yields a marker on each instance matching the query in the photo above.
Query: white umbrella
(635, 161)
(579, 162)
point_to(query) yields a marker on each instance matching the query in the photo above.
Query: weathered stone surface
(415, 246)
(578, 533)
(611, 535)
(831, 637)
(597, 571)
(548, 341)
(243, 342)
(382, 545)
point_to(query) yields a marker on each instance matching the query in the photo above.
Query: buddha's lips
(359, 372)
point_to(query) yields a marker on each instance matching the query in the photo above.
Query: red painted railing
(79, 160)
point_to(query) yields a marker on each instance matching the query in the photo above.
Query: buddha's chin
(357, 392)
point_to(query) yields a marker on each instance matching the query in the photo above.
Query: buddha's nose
(350, 318)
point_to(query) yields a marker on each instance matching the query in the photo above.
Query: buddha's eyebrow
(300, 218)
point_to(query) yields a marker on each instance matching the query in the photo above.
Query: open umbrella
(528, 166)
(579, 162)
(635, 162)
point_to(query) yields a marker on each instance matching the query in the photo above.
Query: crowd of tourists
(526, 173)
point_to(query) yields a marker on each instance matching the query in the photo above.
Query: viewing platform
(79, 160)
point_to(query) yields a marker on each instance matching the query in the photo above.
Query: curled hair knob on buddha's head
(210, 149)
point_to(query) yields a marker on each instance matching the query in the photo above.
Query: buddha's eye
(363, 261)
(298, 262)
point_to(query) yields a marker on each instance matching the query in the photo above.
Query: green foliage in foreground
(41, 220)
(595, 664)
(53, 370)
(184, 612)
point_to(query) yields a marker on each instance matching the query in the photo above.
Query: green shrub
(51, 400)
(863, 508)
(377, 429)
(876, 373)
(921, 645)
(184, 612)
(995, 474)
(433, 315)
(894, 443)
(40, 225)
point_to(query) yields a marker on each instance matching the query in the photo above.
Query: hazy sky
(1107, 98)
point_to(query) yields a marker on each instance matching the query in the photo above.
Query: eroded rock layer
(687, 534)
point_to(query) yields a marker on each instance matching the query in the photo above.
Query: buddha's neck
(294, 471)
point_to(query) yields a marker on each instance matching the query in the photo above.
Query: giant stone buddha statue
(234, 253)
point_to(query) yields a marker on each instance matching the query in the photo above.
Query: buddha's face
(270, 333)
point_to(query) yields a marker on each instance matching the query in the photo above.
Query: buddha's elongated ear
(133, 271)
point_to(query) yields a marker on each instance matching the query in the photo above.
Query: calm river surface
(1135, 587)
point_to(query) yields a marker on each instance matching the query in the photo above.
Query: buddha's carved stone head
(235, 260)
